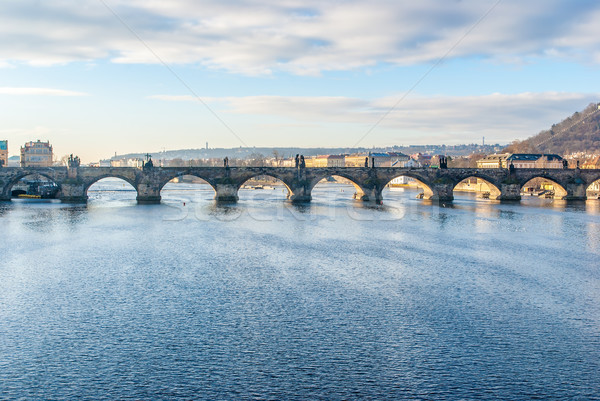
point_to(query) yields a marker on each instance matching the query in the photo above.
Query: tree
(255, 160)
(64, 160)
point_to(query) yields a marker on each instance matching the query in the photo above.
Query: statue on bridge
(302, 162)
(148, 163)
(73, 162)
(297, 160)
(226, 162)
(443, 162)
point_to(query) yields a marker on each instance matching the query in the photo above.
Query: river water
(333, 300)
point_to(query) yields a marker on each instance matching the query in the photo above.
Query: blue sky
(102, 76)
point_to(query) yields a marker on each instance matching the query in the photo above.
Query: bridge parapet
(438, 184)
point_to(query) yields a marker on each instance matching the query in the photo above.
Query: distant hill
(577, 133)
(242, 152)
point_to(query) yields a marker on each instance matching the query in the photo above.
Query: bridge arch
(361, 193)
(97, 178)
(543, 185)
(243, 180)
(422, 183)
(593, 188)
(488, 187)
(181, 174)
(7, 189)
(110, 188)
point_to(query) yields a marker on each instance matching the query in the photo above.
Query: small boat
(35, 189)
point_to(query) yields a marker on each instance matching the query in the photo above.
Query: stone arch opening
(110, 188)
(337, 186)
(188, 187)
(264, 186)
(32, 186)
(479, 187)
(543, 187)
(593, 190)
(403, 185)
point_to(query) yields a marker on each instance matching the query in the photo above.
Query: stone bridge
(437, 184)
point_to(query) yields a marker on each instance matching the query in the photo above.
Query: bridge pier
(148, 194)
(299, 195)
(442, 192)
(510, 192)
(73, 192)
(361, 195)
(576, 190)
(373, 195)
(226, 193)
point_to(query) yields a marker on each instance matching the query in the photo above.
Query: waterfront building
(493, 161)
(355, 160)
(131, 162)
(327, 161)
(412, 163)
(521, 160)
(533, 160)
(36, 154)
(3, 153)
(402, 181)
(291, 162)
(359, 160)
(422, 159)
(593, 163)
(398, 159)
(135, 162)
(381, 159)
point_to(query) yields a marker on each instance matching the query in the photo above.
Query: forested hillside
(577, 133)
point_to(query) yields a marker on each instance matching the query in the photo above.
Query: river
(334, 300)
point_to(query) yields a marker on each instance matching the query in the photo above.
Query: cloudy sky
(97, 77)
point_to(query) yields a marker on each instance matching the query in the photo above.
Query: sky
(95, 77)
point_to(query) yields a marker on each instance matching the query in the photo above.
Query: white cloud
(301, 37)
(39, 92)
(498, 117)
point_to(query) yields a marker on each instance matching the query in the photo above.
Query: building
(412, 163)
(368, 160)
(356, 160)
(421, 159)
(327, 161)
(398, 159)
(3, 153)
(36, 154)
(402, 181)
(534, 160)
(493, 161)
(381, 160)
(291, 162)
(521, 160)
(131, 162)
(593, 163)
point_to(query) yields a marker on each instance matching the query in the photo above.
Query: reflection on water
(264, 299)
